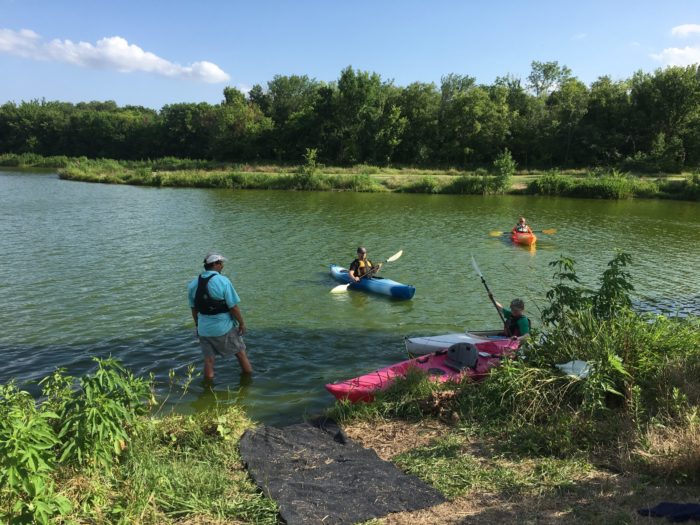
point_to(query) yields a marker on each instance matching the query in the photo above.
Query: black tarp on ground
(316, 474)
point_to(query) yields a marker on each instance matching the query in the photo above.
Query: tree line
(649, 122)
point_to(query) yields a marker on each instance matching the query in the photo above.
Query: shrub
(27, 459)
(504, 169)
(551, 183)
(427, 184)
(688, 188)
(468, 185)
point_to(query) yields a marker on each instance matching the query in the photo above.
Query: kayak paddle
(344, 287)
(550, 231)
(478, 272)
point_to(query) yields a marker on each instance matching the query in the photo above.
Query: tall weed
(27, 460)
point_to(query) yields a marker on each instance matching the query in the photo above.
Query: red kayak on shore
(435, 365)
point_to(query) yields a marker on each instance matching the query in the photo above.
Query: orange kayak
(526, 239)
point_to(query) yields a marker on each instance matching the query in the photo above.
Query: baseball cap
(213, 257)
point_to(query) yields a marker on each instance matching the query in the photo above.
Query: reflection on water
(109, 266)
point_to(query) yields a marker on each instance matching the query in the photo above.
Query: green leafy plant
(504, 169)
(96, 421)
(566, 295)
(27, 459)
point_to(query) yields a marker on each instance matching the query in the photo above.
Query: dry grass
(669, 451)
(602, 498)
(595, 496)
(390, 438)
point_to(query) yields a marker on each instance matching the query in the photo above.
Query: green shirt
(522, 322)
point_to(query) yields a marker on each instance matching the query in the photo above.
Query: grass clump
(89, 452)
(596, 184)
(448, 465)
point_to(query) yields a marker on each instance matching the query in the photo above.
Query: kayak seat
(461, 356)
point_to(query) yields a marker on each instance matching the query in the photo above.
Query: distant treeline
(649, 122)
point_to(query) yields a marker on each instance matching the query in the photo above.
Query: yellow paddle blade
(550, 231)
(495, 233)
(341, 288)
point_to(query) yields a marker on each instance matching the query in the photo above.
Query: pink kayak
(362, 388)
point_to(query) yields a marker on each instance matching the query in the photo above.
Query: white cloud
(685, 30)
(679, 56)
(108, 53)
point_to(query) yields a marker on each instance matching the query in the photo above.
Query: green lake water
(96, 270)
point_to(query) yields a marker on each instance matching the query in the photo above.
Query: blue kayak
(380, 285)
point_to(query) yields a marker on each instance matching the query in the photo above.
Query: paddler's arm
(236, 314)
(351, 272)
(498, 305)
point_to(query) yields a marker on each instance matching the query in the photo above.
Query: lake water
(95, 270)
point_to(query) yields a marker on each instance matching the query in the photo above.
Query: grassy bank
(533, 444)
(91, 453)
(174, 172)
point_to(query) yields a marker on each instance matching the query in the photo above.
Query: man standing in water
(217, 317)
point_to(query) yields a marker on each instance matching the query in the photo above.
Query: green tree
(473, 121)
(606, 133)
(420, 104)
(187, 130)
(504, 168)
(668, 103)
(567, 105)
(239, 128)
(544, 77)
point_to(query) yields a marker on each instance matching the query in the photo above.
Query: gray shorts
(222, 345)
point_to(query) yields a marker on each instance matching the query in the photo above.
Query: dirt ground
(602, 497)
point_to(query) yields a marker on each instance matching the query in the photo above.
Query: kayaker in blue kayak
(517, 325)
(362, 266)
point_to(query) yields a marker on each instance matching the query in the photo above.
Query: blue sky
(152, 53)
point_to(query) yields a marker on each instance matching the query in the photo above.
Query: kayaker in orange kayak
(522, 226)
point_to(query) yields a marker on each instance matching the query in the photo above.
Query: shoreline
(597, 182)
(573, 184)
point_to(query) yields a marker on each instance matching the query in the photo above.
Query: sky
(156, 52)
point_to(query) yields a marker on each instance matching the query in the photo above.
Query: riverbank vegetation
(537, 437)
(91, 453)
(501, 177)
(649, 122)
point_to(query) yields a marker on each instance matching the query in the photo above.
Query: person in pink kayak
(517, 325)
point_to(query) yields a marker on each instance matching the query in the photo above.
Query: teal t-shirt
(220, 288)
(522, 322)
